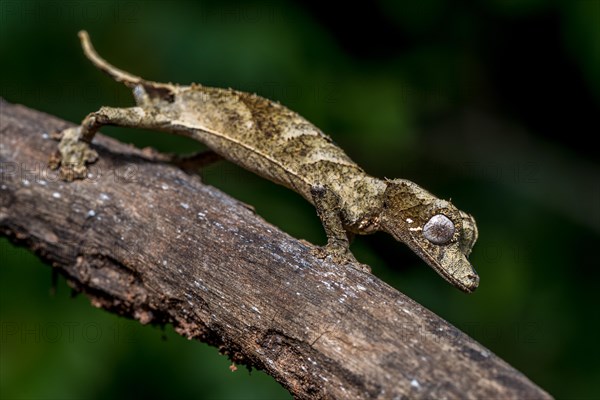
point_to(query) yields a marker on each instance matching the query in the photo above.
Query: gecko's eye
(439, 229)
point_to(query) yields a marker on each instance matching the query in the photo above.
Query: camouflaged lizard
(278, 144)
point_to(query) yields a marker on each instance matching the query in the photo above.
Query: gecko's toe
(340, 256)
(71, 172)
(349, 259)
(362, 267)
(54, 160)
(56, 135)
(320, 252)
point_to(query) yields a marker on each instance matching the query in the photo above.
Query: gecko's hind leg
(194, 162)
(74, 152)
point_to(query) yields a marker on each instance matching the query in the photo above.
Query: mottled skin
(278, 144)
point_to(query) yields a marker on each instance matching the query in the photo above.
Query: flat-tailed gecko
(274, 142)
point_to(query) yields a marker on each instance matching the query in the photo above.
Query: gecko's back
(262, 136)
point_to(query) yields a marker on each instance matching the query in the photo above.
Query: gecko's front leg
(328, 208)
(74, 152)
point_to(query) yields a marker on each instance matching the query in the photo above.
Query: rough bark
(145, 240)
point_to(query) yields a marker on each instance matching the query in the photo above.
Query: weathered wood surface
(144, 240)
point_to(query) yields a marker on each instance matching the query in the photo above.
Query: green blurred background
(491, 103)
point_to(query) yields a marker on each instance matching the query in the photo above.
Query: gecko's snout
(471, 283)
(456, 269)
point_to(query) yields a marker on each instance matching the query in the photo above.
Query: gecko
(276, 143)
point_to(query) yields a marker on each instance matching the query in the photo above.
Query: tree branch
(144, 240)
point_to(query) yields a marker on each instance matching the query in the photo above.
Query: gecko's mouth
(453, 266)
(474, 284)
(467, 284)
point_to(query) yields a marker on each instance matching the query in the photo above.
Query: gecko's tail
(118, 75)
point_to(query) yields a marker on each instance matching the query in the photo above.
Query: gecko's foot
(72, 156)
(340, 256)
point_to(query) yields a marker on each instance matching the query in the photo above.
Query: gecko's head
(438, 232)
